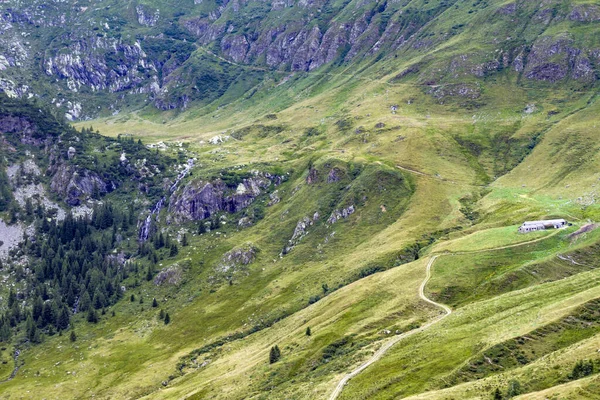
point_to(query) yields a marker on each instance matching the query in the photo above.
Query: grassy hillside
(441, 150)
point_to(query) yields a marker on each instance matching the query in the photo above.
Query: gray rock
(585, 13)
(76, 186)
(146, 16)
(199, 200)
(169, 276)
(337, 214)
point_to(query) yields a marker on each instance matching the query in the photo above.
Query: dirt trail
(447, 311)
(379, 353)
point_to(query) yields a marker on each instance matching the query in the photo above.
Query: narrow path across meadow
(447, 311)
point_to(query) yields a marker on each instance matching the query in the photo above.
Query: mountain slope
(336, 147)
(120, 56)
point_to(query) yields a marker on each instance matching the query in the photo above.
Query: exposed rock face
(508, 9)
(336, 215)
(10, 236)
(169, 276)
(235, 47)
(585, 13)
(313, 176)
(96, 49)
(77, 186)
(553, 59)
(274, 198)
(299, 232)
(238, 257)
(27, 131)
(146, 16)
(200, 199)
(99, 63)
(334, 175)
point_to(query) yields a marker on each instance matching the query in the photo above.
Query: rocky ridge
(153, 52)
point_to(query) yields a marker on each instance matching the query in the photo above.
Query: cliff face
(199, 200)
(74, 51)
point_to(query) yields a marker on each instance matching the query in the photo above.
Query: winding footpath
(447, 311)
(379, 353)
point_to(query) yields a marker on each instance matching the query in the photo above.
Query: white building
(530, 226)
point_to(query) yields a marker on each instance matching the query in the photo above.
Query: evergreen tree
(184, 240)
(48, 315)
(28, 207)
(161, 314)
(99, 300)
(73, 336)
(174, 250)
(37, 336)
(132, 298)
(32, 330)
(63, 319)
(37, 308)
(497, 394)
(5, 332)
(12, 297)
(274, 354)
(308, 331)
(154, 302)
(167, 318)
(85, 302)
(92, 316)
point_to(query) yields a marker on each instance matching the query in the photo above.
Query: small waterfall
(76, 305)
(182, 174)
(145, 228)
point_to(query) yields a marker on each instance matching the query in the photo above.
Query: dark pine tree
(92, 316)
(174, 250)
(274, 354)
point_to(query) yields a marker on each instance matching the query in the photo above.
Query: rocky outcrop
(585, 13)
(27, 131)
(235, 47)
(147, 16)
(169, 276)
(99, 63)
(555, 58)
(274, 198)
(334, 175)
(200, 200)
(508, 9)
(238, 257)
(94, 48)
(76, 186)
(205, 30)
(313, 176)
(300, 231)
(337, 214)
